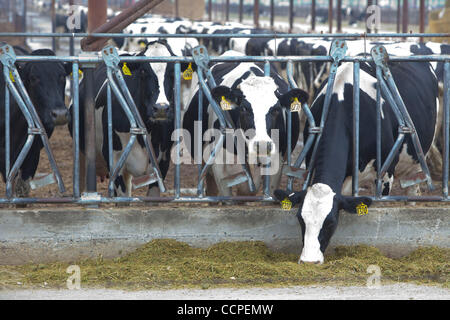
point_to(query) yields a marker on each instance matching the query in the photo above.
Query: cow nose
(161, 111)
(60, 116)
(309, 262)
(263, 148)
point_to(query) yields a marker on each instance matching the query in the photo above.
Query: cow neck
(332, 154)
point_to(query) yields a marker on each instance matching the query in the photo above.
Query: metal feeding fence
(292, 169)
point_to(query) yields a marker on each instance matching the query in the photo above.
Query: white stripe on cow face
(316, 207)
(260, 93)
(159, 50)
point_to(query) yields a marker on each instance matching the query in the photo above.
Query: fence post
(405, 17)
(313, 15)
(256, 14)
(241, 10)
(291, 15)
(96, 17)
(330, 16)
(272, 14)
(339, 16)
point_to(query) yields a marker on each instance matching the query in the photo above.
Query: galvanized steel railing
(292, 170)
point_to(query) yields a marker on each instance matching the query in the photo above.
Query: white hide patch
(316, 207)
(260, 93)
(344, 76)
(159, 50)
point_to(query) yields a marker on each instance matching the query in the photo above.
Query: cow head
(162, 85)
(319, 215)
(45, 83)
(259, 109)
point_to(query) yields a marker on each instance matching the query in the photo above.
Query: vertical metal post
(227, 10)
(256, 13)
(53, 13)
(378, 133)
(355, 181)
(422, 18)
(71, 40)
(210, 10)
(330, 16)
(272, 14)
(7, 132)
(266, 184)
(405, 17)
(177, 9)
(339, 16)
(96, 17)
(177, 93)
(291, 15)
(446, 128)
(76, 131)
(241, 10)
(399, 15)
(199, 142)
(313, 15)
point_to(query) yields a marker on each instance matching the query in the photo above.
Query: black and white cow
(259, 107)
(45, 83)
(320, 204)
(152, 88)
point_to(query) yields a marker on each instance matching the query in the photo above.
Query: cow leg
(21, 189)
(211, 187)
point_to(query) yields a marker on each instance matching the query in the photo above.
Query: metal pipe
(235, 35)
(405, 16)
(177, 93)
(227, 10)
(339, 16)
(53, 17)
(291, 15)
(210, 10)
(272, 14)
(116, 24)
(76, 131)
(241, 10)
(446, 129)
(256, 13)
(356, 84)
(313, 15)
(399, 15)
(330, 16)
(422, 18)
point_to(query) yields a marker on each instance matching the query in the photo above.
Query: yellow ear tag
(225, 104)
(80, 74)
(296, 105)
(143, 45)
(362, 209)
(126, 71)
(286, 204)
(187, 74)
(11, 77)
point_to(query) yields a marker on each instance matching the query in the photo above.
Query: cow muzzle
(60, 116)
(161, 112)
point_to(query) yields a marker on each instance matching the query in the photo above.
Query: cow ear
(350, 204)
(68, 68)
(221, 93)
(294, 198)
(289, 97)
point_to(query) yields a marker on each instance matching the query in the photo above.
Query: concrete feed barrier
(43, 235)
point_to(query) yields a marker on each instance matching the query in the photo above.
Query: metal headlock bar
(35, 126)
(201, 58)
(137, 126)
(388, 87)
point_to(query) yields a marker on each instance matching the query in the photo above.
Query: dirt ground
(317, 292)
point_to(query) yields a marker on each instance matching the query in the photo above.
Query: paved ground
(388, 292)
